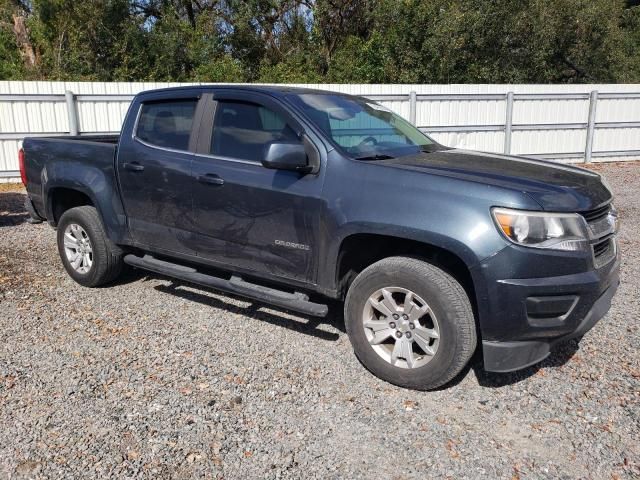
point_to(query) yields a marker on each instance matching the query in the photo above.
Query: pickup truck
(297, 197)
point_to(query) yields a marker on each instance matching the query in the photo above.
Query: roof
(277, 90)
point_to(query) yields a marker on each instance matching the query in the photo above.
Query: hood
(556, 187)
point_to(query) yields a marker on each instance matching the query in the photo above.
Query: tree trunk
(190, 13)
(23, 41)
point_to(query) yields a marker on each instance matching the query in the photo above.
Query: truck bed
(91, 138)
(67, 160)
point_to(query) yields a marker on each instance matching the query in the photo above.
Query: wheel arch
(62, 198)
(359, 250)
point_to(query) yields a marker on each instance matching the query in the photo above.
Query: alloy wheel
(78, 249)
(401, 327)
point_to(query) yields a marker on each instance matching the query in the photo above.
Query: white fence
(566, 123)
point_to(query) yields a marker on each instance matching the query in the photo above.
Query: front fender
(448, 213)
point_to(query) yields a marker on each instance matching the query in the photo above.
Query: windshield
(362, 128)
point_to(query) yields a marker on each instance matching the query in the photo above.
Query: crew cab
(295, 197)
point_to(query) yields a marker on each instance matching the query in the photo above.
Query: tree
(335, 21)
(458, 41)
(397, 41)
(81, 40)
(16, 50)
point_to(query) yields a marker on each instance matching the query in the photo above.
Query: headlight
(558, 231)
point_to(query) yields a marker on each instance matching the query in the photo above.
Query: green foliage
(10, 62)
(295, 69)
(313, 41)
(359, 60)
(224, 69)
(631, 24)
(77, 40)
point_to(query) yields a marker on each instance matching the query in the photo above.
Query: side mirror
(286, 156)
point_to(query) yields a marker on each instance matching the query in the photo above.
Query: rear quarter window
(166, 124)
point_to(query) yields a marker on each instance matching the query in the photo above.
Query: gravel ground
(154, 378)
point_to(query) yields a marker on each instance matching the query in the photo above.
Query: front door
(154, 168)
(246, 215)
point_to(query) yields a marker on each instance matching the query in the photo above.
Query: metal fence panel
(550, 121)
(617, 139)
(483, 141)
(618, 109)
(548, 141)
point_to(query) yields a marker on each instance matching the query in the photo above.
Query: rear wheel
(410, 323)
(87, 254)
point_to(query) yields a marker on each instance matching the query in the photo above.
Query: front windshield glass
(362, 128)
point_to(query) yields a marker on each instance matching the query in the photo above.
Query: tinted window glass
(360, 127)
(243, 130)
(167, 124)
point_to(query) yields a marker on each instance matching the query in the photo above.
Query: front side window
(167, 124)
(360, 127)
(243, 130)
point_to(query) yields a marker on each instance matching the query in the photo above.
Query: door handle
(133, 166)
(211, 179)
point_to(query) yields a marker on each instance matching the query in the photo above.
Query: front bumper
(523, 318)
(510, 356)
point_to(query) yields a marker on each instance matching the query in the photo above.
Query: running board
(297, 301)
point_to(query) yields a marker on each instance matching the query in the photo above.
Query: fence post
(412, 107)
(591, 125)
(508, 123)
(72, 112)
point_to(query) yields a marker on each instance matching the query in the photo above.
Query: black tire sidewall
(79, 217)
(439, 367)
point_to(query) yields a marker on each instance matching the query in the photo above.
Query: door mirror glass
(286, 156)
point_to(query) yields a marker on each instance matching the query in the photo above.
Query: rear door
(245, 215)
(154, 168)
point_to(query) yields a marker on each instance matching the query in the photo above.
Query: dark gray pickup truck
(293, 197)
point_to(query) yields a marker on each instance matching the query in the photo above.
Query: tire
(447, 328)
(105, 258)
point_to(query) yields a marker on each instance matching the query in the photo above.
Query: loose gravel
(158, 379)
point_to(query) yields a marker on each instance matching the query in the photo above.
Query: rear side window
(243, 130)
(167, 124)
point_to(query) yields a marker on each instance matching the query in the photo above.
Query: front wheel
(87, 254)
(410, 323)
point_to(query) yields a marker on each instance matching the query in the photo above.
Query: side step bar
(297, 301)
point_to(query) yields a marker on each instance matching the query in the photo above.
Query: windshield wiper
(376, 156)
(428, 148)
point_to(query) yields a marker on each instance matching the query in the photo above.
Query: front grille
(604, 252)
(596, 214)
(601, 222)
(601, 248)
